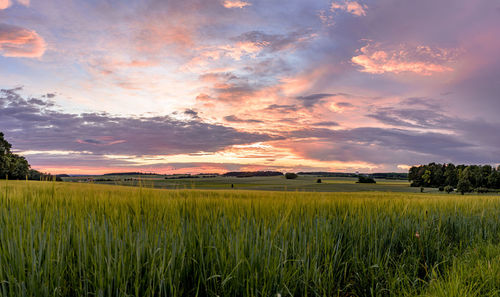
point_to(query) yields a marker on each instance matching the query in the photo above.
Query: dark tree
(11, 165)
(290, 175)
(464, 185)
(366, 180)
(439, 176)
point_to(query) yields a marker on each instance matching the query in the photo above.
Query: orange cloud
(4, 4)
(235, 4)
(422, 60)
(351, 7)
(20, 42)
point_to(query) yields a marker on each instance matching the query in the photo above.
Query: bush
(318, 181)
(291, 175)
(441, 189)
(448, 189)
(366, 180)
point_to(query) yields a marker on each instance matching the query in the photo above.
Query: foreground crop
(61, 239)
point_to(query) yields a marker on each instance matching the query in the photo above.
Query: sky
(194, 86)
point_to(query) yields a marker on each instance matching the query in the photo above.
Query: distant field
(275, 183)
(72, 239)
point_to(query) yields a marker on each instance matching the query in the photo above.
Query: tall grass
(60, 239)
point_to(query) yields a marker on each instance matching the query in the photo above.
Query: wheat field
(69, 239)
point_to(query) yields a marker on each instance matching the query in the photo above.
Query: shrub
(441, 189)
(448, 189)
(291, 175)
(366, 180)
(318, 181)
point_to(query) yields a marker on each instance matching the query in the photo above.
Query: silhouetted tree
(11, 165)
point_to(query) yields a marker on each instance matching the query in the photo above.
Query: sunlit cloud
(235, 4)
(187, 86)
(422, 60)
(351, 7)
(20, 42)
(4, 4)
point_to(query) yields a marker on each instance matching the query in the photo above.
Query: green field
(72, 239)
(275, 183)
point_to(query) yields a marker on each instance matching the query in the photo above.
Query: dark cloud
(470, 140)
(388, 146)
(30, 126)
(344, 104)
(326, 124)
(234, 119)
(192, 113)
(415, 118)
(311, 100)
(282, 108)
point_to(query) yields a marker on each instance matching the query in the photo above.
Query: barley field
(69, 239)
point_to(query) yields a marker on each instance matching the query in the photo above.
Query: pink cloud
(351, 7)
(235, 4)
(4, 4)
(422, 60)
(20, 42)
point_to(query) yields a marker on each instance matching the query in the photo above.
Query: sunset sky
(194, 86)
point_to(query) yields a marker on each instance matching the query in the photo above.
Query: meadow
(273, 183)
(75, 239)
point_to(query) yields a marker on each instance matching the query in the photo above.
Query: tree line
(463, 178)
(13, 166)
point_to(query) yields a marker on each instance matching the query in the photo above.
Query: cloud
(191, 113)
(234, 119)
(20, 42)
(32, 126)
(311, 100)
(4, 4)
(351, 7)
(423, 60)
(276, 42)
(235, 4)
(408, 117)
(385, 146)
(229, 88)
(326, 124)
(284, 108)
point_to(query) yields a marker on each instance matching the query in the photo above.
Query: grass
(68, 239)
(275, 183)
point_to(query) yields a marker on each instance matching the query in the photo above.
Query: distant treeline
(130, 173)
(252, 173)
(387, 175)
(329, 174)
(191, 176)
(13, 166)
(465, 178)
